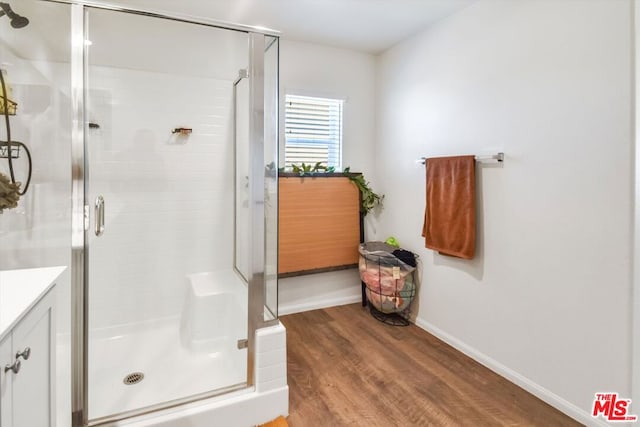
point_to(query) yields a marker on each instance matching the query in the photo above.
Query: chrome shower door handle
(99, 214)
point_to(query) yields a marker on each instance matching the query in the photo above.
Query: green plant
(305, 169)
(369, 198)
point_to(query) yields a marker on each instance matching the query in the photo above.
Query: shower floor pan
(140, 365)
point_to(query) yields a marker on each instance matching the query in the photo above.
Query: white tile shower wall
(169, 199)
(549, 82)
(271, 358)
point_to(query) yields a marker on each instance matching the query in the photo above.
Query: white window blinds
(313, 131)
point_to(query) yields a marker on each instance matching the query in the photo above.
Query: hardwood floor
(347, 369)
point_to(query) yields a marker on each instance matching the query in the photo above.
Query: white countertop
(20, 290)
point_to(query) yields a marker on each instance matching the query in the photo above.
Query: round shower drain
(133, 378)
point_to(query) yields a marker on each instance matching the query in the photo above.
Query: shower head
(17, 21)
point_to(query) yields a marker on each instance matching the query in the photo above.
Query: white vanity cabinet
(27, 351)
(5, 383)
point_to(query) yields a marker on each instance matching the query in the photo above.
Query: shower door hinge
(86, 217)
(243, 344)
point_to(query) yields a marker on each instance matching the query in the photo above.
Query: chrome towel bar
(497, 157)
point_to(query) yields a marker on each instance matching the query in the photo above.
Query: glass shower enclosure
(174, 208)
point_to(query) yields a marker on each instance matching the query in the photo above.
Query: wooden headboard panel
(319, 224)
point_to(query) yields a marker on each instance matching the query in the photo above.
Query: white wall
(546, 301)
(314, 70)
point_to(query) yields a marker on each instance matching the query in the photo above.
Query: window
(313, 131)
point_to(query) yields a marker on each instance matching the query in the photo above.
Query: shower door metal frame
(81, 217)
(79, 224)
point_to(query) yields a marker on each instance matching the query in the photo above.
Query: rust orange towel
(450, 215)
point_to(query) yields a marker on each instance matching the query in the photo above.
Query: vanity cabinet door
(6, 358)
(33, 386)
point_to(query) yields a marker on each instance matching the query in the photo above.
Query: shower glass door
(167, 312)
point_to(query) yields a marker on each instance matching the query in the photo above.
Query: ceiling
(131, 41)
(364, 25)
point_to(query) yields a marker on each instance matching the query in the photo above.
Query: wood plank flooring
(347, 369)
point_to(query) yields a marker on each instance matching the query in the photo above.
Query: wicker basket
(389, 281)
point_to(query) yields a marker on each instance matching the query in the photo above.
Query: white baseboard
(317, 304)
(540, 392)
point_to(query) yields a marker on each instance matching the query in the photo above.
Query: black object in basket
(389, 281)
